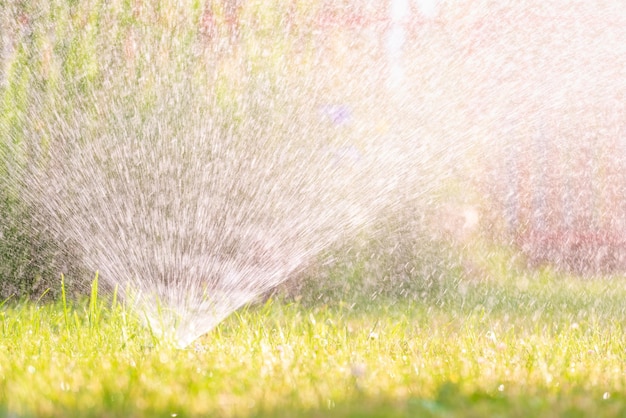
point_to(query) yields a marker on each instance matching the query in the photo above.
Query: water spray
(199, 174)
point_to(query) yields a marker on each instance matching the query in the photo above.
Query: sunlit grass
(549, 347)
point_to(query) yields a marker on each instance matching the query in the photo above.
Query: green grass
(534, 345)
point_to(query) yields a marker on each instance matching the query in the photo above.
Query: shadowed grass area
(524, 346)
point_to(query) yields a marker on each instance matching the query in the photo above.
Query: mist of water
(193, 207)
(193, 220)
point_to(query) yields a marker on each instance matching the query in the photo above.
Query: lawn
(533, 345)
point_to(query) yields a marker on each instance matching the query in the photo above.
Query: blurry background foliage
(66, 66)
(268, 66)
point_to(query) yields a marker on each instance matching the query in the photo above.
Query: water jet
(196, 178)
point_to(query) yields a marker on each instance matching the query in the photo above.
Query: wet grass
(537, 345)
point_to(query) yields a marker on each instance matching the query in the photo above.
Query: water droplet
(358, 370)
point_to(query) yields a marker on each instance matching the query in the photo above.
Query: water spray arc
(195, 177)
(192, 218)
